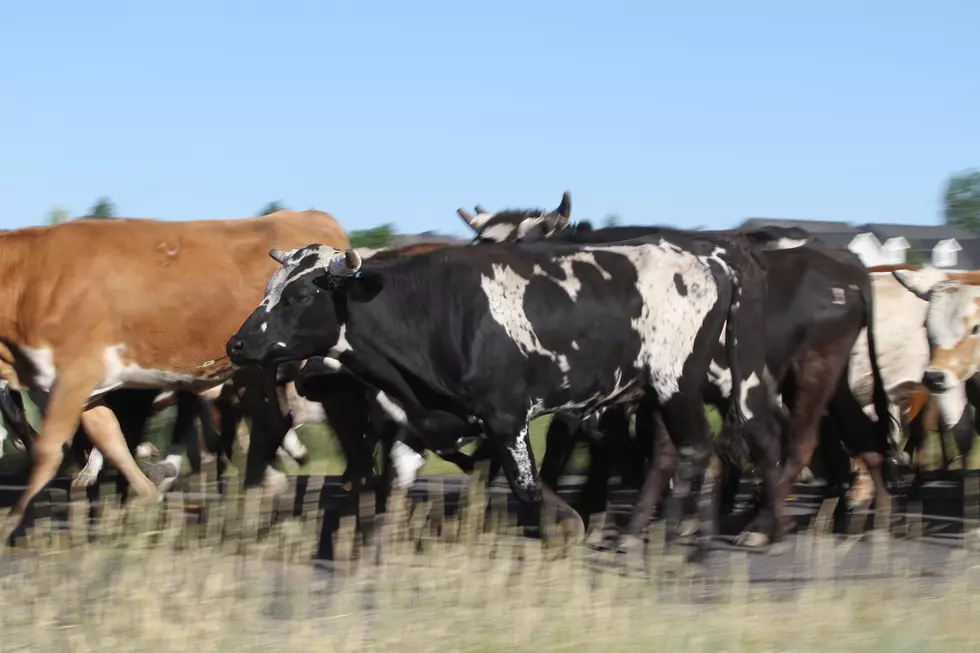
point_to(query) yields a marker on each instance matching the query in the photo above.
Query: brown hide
(171, 293)
(99, 295)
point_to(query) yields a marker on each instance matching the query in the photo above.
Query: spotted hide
(487, 338)
(815, 304)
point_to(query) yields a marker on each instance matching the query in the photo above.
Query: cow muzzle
(236, 351)
(937, 380)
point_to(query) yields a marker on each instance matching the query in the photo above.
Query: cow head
(303, 313)
(527, 225)
(953, 328)
(952, 325)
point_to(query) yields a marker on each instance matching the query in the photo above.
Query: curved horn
(479, 209)
(970, 278)
(910, 285)
(344, 264)
(565, 208)
(467, 218)
(278, 256)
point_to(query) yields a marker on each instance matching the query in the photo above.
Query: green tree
(58, 215)
(272, 207)
(380, 236)
(103, 209)
(963, 200)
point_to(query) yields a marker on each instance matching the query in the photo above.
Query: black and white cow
(817, 302)
(479, 340)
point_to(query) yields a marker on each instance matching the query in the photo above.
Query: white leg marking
(747, 385)
(407, 463)
(291, 443)
(525, 471)
(90, 472)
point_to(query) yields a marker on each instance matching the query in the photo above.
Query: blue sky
(693, 113)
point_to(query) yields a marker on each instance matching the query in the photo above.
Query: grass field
(158, 582)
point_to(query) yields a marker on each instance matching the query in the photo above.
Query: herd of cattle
(623, 334)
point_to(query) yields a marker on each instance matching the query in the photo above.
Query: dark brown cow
(90, 306)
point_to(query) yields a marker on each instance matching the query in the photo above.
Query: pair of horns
(477, 221)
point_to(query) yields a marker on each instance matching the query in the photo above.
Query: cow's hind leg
(661, 468)
(685, 420)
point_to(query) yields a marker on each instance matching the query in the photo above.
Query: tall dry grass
(156, 579)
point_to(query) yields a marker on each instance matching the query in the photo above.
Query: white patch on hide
(746, 386)
(342, 344)
(669, 322)
(720, 378)
(393, 410)
(45, 372)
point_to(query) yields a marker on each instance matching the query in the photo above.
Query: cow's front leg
(511, 437)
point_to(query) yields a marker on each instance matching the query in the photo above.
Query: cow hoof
(573, 528)
(162, 475)
(688, 527)
(806, 476)
(83, 480)
(147, 450)
(752, 540)
(18, 445)
(303, 457)
(275, 482)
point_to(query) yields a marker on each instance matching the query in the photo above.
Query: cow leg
(559, 444)
(132, 408)
(608, 450)
(269, 426)
(954, 412)
(816, 377)
(15, 417)
(89, 474)
(661, 468)
(62, 416)
(513, 443)
(687, 425)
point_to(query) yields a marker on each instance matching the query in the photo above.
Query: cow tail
(731, 443)
(735, 414)
(879, 395)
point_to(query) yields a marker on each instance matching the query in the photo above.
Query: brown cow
(90, 306)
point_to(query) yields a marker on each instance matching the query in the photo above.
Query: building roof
(813, 226)
(913, 232)
(836, 239)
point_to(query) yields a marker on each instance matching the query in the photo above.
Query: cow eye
(976, 329)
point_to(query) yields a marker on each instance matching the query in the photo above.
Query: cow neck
(368, 325)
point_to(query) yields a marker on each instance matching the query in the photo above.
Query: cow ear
(365, 287)
(914, 285)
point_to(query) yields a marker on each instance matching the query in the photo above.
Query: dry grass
(157, 580)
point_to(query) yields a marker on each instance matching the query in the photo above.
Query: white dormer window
(944, 253)
(896, 244)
